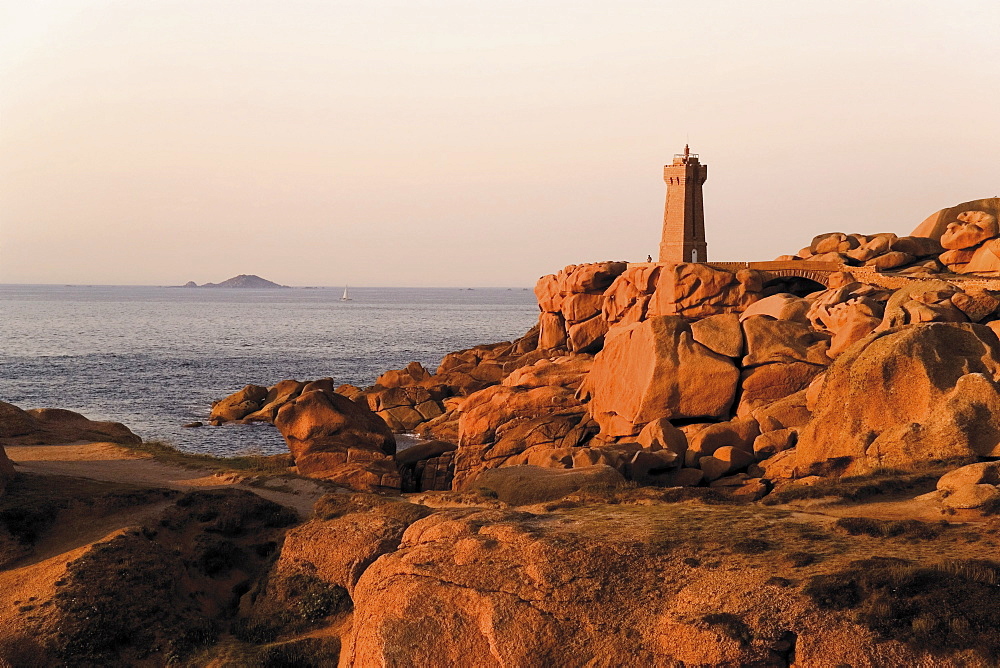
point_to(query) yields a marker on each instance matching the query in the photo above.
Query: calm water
(155, 358)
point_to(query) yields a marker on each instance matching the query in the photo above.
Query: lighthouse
(683, 237)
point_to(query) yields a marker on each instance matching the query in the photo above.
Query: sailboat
(346, 297)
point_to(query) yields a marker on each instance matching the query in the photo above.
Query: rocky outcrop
(692, 343)
(252, 400)
(334, 438)
(243, 281)
(936, 225)
(572, 303)
(427, 466)
(403, 610)
(501, 423)
(699, 290)
(581, 302)
(655, 369)
(412, 374)
(971, 486)
(962, 239)
(923, 301)
(906, 395)
(404, 408)
(349, 532)
(41, 426)
(885, 251)
(627, 300)
(565, 371)
(618, 590)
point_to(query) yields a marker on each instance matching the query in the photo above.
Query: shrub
(230, 512)
(121, 595)
(22, 652)
(305, 653)
(215, 557)
(949, 606)
(752, 546)
(315, 598)
(26, 524)
(258, 630)
(800, 559)
(854, 489)
(250, 461)
(876, 528)
(730, 625)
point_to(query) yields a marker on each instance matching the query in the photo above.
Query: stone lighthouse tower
(684, 214)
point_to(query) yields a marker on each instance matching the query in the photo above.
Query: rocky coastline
(788, 463)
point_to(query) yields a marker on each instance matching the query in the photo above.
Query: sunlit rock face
(970, 233)
(910, 394)
(336, 439)
(656, 369)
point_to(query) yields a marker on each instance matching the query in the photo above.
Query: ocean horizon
(155, 357)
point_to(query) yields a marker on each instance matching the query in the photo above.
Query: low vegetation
(948, 606)
(883, 483)
(877, 528)
(121, 597)
(33, 503)
(729, 625)
(294, 604)
(166, 590)
(338, 504)
(250, 463)
(229, 512)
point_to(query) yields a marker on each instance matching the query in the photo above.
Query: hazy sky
(472, 142)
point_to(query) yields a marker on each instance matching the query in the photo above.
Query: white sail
(346, 297)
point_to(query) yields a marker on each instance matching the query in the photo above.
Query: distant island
(247, 281)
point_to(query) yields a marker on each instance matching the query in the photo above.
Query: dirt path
(113, 463)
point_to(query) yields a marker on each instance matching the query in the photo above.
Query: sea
(154, 358)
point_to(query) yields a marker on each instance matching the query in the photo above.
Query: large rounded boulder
(337, 439)
(656, 369)
(906, 395)
(45, 426)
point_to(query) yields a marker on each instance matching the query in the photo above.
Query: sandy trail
(113, 463)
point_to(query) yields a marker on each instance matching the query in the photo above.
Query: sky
(472, 142)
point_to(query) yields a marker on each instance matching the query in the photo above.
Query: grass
(857, 489)
(631, 494)
(876, 528)
(801, 559)
(991, 507)
(253, 463)
(229, 512)
(314, 652)
(752, 546)
(338, 504)
(121, 596)
(165, 591)
(949, 606)
(33, 503)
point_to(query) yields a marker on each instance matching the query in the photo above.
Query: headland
(793, 462)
